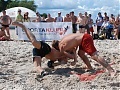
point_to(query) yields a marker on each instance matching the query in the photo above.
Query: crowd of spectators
(108, 27)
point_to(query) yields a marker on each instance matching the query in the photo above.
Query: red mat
(88, 77)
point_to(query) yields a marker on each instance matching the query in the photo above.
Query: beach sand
(18, 73)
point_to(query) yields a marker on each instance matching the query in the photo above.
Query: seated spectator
(3, 36)
(106, 28)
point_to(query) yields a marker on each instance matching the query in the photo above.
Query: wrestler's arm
(75, 57)
(71, 56)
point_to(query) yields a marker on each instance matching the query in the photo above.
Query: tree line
(6, 4)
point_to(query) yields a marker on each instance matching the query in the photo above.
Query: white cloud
(91, 6)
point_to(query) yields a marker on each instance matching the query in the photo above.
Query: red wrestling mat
(88, 77)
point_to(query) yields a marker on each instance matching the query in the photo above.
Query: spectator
(5, 22)
(99, 22)
(86, 18)
(59, 18)
(43, 19)
(67, 18)
(38, 18)
(117, 27)
(3, 36)
(106, 28)
(105, 16)
(90, 23)
(81, 22)
(19, 17)
(49, 18)
(26, 17)
(74, 20)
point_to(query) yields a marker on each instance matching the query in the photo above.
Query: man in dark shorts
(74, 20)
(5, 22)
(40, 50)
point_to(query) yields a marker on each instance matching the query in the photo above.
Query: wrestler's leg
(29, 34)
(37, 64)
(81, 53)
(102, 61)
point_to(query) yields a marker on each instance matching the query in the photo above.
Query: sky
(90, 6)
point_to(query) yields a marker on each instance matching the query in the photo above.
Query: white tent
(13, 12)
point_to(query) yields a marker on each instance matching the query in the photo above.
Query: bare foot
(113, 73)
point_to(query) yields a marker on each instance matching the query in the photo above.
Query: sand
(18, 73)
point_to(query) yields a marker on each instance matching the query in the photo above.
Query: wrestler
(5, 22)
(40, 50)
(86, 45)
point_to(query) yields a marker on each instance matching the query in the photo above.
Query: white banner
(46, 30)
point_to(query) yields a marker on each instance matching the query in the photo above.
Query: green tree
(3, 4)
(44, 14)
(17, 3)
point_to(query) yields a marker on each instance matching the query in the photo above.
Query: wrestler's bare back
(69, 42)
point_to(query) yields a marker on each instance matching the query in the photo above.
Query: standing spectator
(38, 18)
(81, 22)
(86, 18)
(105, 16)
(49, 18)
(112, 19)
(99, 22)
(19, 17)
(67, 18)
(26, 17)
(59, 18)
(43, 19)
(117, 27)
(90, 23)
(5, 22)
(74, 20)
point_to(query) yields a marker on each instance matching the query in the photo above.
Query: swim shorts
(91, 29)
(44, 50)
(87, 44)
